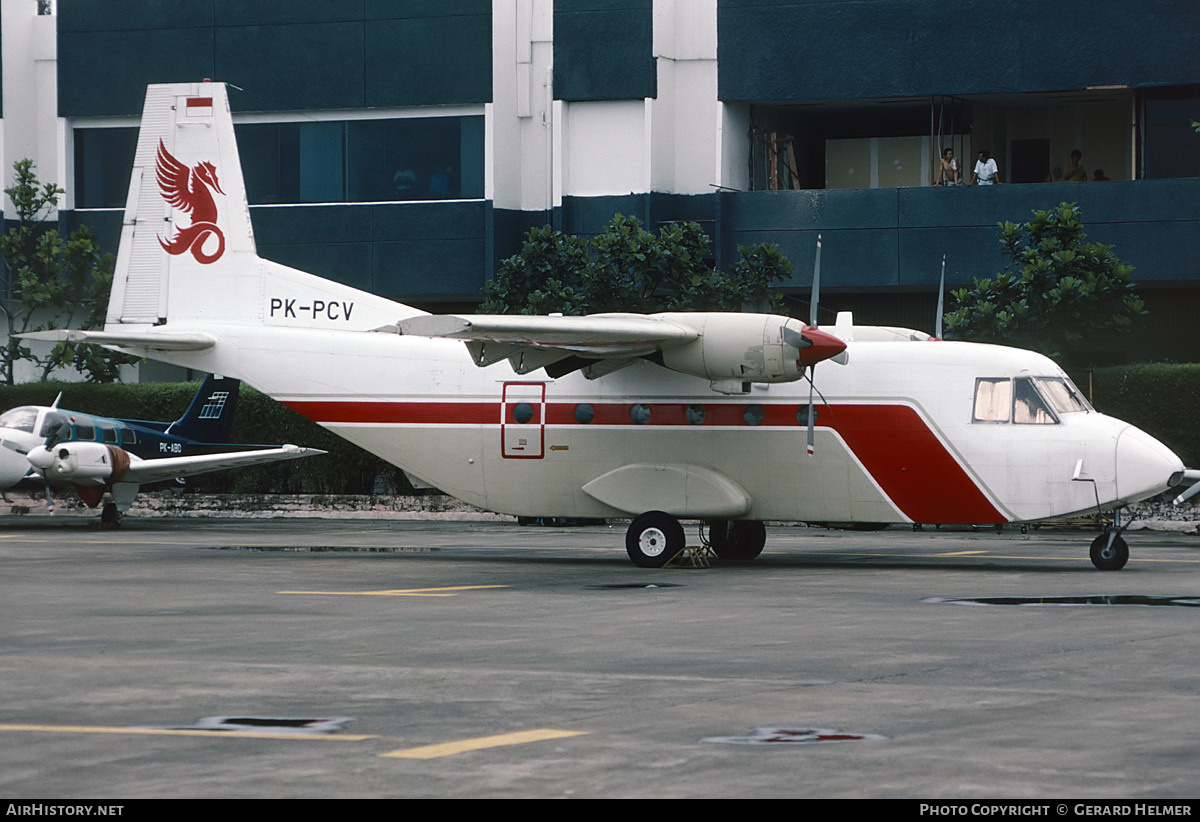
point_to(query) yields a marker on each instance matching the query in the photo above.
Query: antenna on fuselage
(812, 321)
(937, 325)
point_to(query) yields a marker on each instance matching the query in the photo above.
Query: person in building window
(947, 174)
(986, 171)
(1074, 172)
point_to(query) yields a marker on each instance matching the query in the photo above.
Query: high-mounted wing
(730, 349)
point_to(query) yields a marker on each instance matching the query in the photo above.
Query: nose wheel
(1110, 552)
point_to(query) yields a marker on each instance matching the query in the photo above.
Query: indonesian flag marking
(199, 107)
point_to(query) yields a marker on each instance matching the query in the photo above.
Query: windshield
(1063, 395)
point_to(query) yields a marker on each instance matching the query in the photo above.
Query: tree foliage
(627, 268)
(51, 281)
(1058, 294)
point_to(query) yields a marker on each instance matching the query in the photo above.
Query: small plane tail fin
(209, 417)
(187, 244)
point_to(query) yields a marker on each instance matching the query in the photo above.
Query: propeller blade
(816, 287)
(937, 328)
(811, 416)
(1188, 494)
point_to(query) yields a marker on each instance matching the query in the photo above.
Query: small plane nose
(1144, 465)
(824, 346)
(41, 457)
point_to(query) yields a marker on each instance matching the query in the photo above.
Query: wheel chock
(692, 556)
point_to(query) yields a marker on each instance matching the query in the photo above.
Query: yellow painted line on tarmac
(106, 729)
(481, 743)
(959, 553)
(448, 591)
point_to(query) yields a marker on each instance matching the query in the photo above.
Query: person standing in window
(947, 174)
(986, 171)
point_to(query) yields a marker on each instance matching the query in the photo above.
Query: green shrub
(1159, 398)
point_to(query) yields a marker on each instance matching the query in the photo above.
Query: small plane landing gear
(737, 539)
(1110, 552)
(654, 539)
(110, 517)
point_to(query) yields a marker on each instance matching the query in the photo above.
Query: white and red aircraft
(700, 416)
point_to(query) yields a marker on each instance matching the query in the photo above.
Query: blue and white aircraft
(107, 460)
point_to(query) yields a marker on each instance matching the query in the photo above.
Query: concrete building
(405, 147)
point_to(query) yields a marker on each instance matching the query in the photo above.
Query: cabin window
(695, 414)
(993, 400)
(753, 415)
(1028, 406)
(108, 431)
(128, 436)
(584, 413)
(640, 413)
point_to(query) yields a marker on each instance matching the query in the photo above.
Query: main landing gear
(656, 538)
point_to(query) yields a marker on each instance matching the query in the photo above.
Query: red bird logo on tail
(190, 190)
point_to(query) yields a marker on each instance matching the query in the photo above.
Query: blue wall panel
(308, 65)
(845, 49)
(895, 238)
(603, 50)
(296, 55)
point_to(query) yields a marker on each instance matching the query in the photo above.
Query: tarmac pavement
(490, 660)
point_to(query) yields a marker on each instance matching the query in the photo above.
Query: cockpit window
(1028, 406)
(1021, 400)
(20, 419)
(53, 421)
(1063, 395)
(993, 400)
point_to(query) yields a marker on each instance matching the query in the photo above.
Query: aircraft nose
(1144, 465)
(824, 346)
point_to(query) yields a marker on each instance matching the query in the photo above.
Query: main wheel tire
(1109, 557)
(110, 517)
(654, 539)
(737, 539)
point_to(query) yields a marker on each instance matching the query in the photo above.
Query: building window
(324, 161)
(103, 159)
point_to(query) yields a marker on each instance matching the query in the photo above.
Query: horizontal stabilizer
(151, 340)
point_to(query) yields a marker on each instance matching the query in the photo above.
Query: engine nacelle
(748, 347)
(81, 463)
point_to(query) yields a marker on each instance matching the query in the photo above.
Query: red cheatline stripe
(893, 442)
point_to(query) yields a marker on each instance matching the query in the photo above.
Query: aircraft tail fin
(187, 244)
(209, 417)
